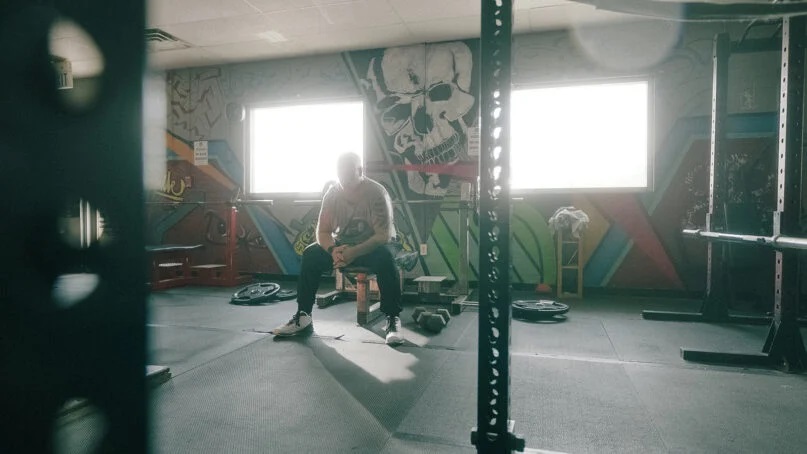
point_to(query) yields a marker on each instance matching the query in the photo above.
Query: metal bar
(232, 244)
(493, 405)
(462, 235)
(394, 202)
(776, 242)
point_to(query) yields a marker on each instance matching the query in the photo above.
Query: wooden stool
(364, 277)
(365, 289)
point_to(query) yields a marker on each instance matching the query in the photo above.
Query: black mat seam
(645, 409)
(258, 339)
(620, 362)
(644, 404)
(682, 366)
(414, 400)
(407, 436)
(610, 341)
(203, 328)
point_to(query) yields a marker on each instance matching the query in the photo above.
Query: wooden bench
(361, 282)
(170, 265)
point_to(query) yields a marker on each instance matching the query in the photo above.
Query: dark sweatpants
(316, 261)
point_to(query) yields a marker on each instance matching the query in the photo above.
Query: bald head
(348, 169)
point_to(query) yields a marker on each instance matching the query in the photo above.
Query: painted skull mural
(422, 100)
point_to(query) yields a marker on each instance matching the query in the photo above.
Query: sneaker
(393, 330)
(298, 323)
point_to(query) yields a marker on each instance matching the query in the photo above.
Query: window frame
(650, 165)
(247, 140)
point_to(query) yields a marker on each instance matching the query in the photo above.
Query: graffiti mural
(422, 98)
(174, 187)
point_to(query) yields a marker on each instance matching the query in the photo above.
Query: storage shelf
(568, 258)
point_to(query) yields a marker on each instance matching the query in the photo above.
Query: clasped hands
(342, 256)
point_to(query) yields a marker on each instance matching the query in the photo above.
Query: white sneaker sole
(394, 341)
(296, 333)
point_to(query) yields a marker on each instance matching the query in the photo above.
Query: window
(293, 149)
(580, 137)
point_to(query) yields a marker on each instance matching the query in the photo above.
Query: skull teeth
(444, 153)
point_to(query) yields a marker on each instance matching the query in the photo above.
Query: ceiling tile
(181, 58)
(268, 6)
(164, 12)
(256, 50)
(566, 16)
(222, 31)
(362, 38)
(291, 4)
(424, 10)
(243, 30)
(345, 16)
(360, 14)
(529, 4)
(446, 29)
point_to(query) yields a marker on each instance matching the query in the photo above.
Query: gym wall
(634, 239)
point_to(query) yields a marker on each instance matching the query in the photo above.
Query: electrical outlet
(424, 248)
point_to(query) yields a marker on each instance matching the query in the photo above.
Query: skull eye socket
(440, 92)
(395, 117)
(387, 102)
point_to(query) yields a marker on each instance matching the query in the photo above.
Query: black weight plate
(538, 309)
(256, 293)
(286, 294)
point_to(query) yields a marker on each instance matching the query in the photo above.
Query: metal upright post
(784, 343)
(494, 429)
(95, 349)
(462, 270)
(715, 307)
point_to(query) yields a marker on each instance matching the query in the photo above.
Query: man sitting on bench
(355, 227)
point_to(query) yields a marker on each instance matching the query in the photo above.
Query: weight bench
(361, 282)
(170, 265)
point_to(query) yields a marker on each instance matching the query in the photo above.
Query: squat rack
(784, 346)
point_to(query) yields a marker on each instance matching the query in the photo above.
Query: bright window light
(580, 137)
(293, 149)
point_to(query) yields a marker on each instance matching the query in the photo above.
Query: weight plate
(538, 309)
(256, 293)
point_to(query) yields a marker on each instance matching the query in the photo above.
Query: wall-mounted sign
(200, 152)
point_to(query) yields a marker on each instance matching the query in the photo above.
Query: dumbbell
(417, 312)
(445, 313)
(433, 322)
